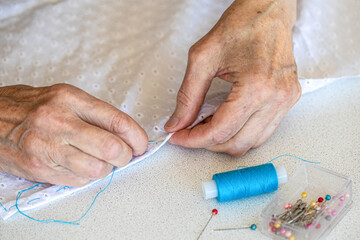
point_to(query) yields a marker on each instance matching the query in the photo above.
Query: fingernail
(172, 122)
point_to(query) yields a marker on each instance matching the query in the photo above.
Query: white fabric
(133, 55)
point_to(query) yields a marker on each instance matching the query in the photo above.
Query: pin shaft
(229, 229)
(204, 227)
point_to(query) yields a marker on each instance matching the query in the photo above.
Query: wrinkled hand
(251, 47)
(64, 136)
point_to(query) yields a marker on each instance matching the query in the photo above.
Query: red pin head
(214, 211)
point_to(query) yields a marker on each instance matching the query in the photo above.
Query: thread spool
(244, 182)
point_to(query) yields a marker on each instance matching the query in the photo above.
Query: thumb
(192, 92)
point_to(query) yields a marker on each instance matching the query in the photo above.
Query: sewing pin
(252, 227)
(213, 212)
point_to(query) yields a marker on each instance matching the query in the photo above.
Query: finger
(226, 122)
(192, 92)
(58, 176)
(40, 163)
(64, 177)
(99, 143)
(37, 169)
(248, 135)
(82, 164)
(105, 116)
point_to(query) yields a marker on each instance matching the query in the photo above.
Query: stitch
(33, 200)
(64, 187)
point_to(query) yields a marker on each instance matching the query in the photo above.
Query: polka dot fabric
(133, 55)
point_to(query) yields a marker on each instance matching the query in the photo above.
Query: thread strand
(76, 222)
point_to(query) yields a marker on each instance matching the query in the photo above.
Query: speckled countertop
(160, 198)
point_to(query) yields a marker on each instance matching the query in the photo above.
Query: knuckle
(264, 92)
(142, 144)
(80, 182)
(35, 167)
(62, 91)
(39, 116)
(111, 148)
(220, 136)
(258, 144)
(126, 156)
(240, 148)
(97, 171)
(237, 152)
(284, 96)
(184, 98)
(193, 50)
(121, 123)
(62, 87)
(197, 53)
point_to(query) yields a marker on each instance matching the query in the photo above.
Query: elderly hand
(251, 47)
(64, 136)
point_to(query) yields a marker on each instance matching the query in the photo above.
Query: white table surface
(160, 198)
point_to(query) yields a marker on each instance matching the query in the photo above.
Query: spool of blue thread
(246, 182)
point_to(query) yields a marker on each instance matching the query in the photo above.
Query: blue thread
(54, 220)
(3, 207)
(246, 182)
(6, 210)
(64, 187)
(286, 155)
(33, 200)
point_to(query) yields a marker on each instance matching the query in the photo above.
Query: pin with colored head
(252, 227)
(213, 213)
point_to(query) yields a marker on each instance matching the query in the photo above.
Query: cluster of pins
(215, 212)
(305, 215)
